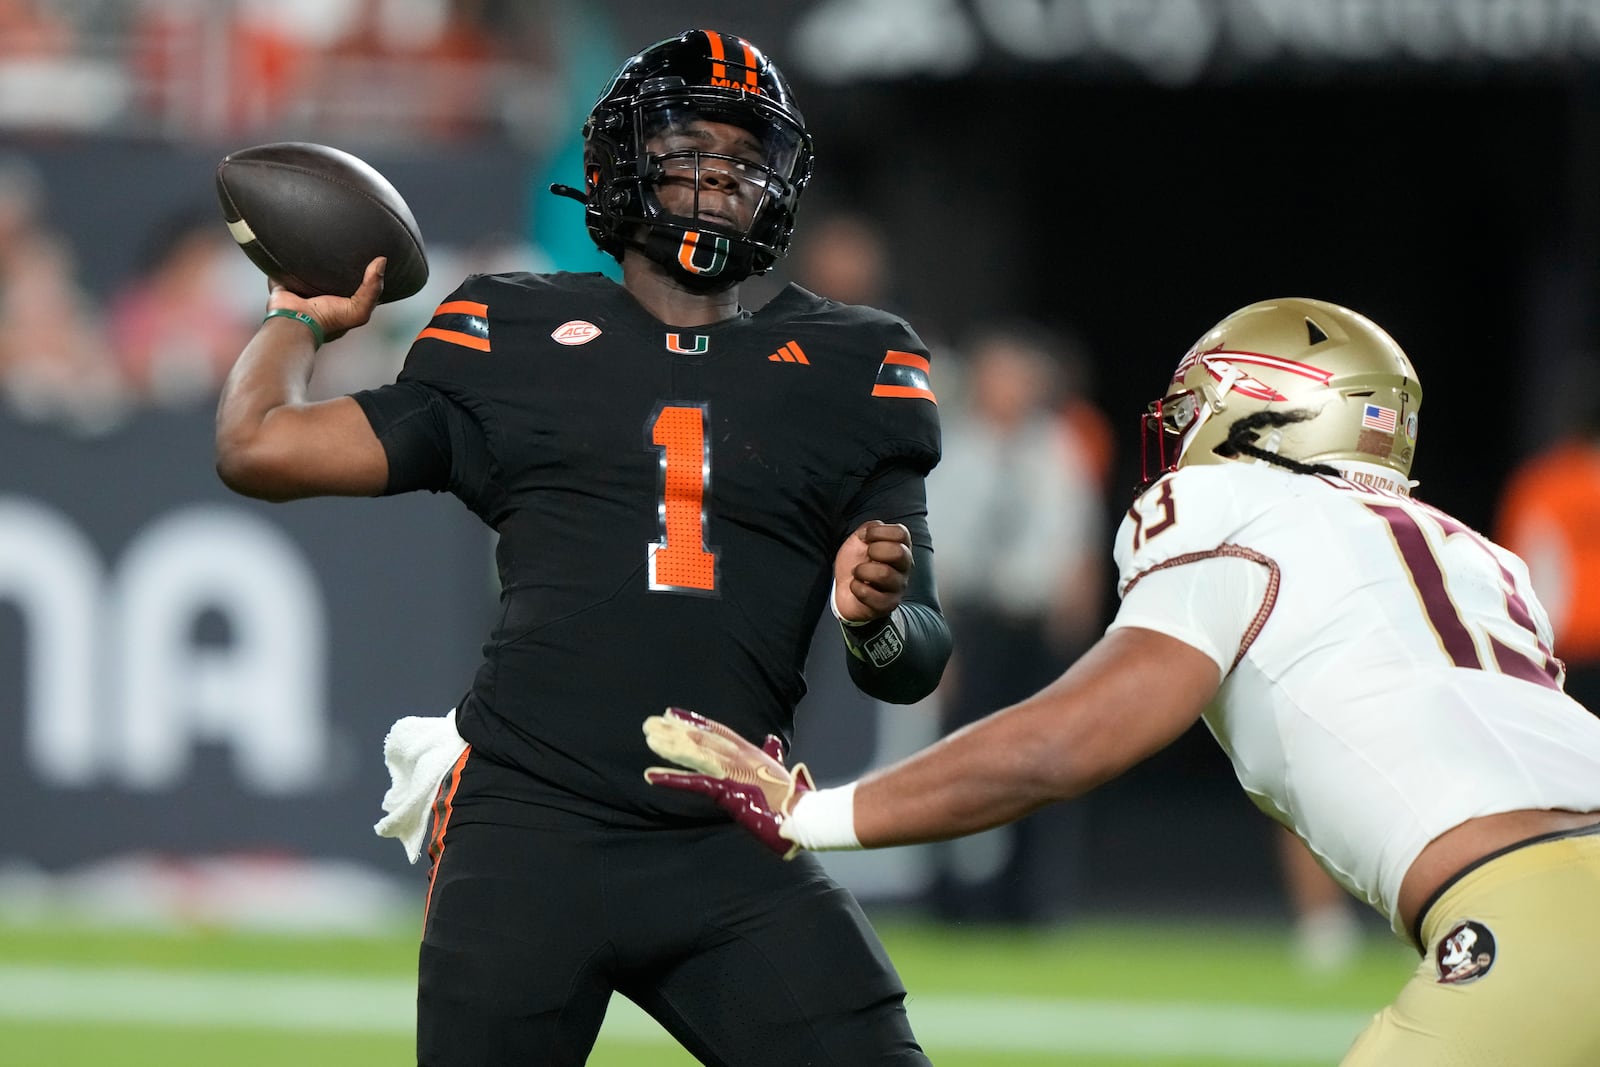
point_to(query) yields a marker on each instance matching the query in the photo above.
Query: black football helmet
(631, 141)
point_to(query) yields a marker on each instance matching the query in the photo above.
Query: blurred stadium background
(194, 687)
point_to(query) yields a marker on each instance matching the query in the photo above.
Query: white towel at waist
(419, 751)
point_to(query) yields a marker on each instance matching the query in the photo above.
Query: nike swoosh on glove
(747, 782)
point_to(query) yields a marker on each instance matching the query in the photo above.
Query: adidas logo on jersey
(789, 353)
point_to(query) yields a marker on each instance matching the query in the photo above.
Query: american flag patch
(1374, 417)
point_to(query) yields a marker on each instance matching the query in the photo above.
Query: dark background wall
(1138, 216)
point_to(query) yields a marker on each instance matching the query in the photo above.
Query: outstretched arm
(271, 443)
(1130, 696)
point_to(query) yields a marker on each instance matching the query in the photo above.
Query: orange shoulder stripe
(906, 359)
(461, 307)
(904, 391)
(456, 337)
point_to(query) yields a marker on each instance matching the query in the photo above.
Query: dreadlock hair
(1244, 433)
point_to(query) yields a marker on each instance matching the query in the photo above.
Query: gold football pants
(1512, 973)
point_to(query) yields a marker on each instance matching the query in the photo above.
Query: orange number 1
(680, 561)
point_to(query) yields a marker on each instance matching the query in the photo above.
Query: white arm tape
(833, 606)
(824, 820)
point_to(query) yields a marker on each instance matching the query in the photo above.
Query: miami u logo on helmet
(708, 257)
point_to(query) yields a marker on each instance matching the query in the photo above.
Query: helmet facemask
(683, 125)
(685, 149)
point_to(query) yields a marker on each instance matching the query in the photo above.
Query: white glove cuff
(823, 820)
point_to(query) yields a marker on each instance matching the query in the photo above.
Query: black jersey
(669, 503)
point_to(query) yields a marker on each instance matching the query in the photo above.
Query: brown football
(314, 217)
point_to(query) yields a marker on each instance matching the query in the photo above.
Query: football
(313, 217)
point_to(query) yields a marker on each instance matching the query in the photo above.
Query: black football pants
(535, 916)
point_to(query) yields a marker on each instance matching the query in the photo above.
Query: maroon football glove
(747, 782)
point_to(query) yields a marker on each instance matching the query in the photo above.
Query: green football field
(1112, 993)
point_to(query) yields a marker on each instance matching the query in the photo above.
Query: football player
(1380, 675)
(680, 486)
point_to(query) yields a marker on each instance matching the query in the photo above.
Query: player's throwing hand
(334, 314)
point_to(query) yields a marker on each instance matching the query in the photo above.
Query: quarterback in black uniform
(680, 487)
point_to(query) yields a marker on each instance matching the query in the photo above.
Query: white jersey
(1387, 671)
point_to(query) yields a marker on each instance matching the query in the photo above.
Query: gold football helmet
(1305, 380)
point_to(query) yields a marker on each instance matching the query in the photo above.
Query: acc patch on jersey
(1465, 954)
(575, 332)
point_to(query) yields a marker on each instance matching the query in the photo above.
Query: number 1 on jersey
(680, 562)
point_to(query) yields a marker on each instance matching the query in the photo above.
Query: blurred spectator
(175, 325)
(1549, 514)
(1083, 421)
(428, 59)
(166, 42)
(266, 47)
(1016, 509)
(844, 257)
(32, 30)
(848, 257)
(48, 79)
(334, 69)
(273, 58)
(55, 362)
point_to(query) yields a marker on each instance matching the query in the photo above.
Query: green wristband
(300, 316)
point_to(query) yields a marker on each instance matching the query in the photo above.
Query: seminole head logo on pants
(1465, 953)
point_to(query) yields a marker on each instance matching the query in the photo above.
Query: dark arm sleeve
(900, 659)
(431, 441)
